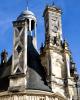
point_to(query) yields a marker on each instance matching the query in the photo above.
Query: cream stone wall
(56, 64)
(30, 95)
(18, 82)
(56, 69)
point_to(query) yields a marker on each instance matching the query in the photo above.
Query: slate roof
(37, 78)
(36, 72)
(4, 74)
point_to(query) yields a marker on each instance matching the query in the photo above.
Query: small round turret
(26, 15)
(30, 18)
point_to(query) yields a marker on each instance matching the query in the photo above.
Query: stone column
(13, 52)
(34, 38)
(30, 32)
(25, 47)
(68, 64)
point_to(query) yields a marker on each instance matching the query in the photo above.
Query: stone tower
(53, 38)
(24, 26)
(55, 55)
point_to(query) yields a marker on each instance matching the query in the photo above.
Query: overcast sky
(11, 9)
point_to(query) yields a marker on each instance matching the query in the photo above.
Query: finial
(4, 55)
(27, 4)
(53, 2)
